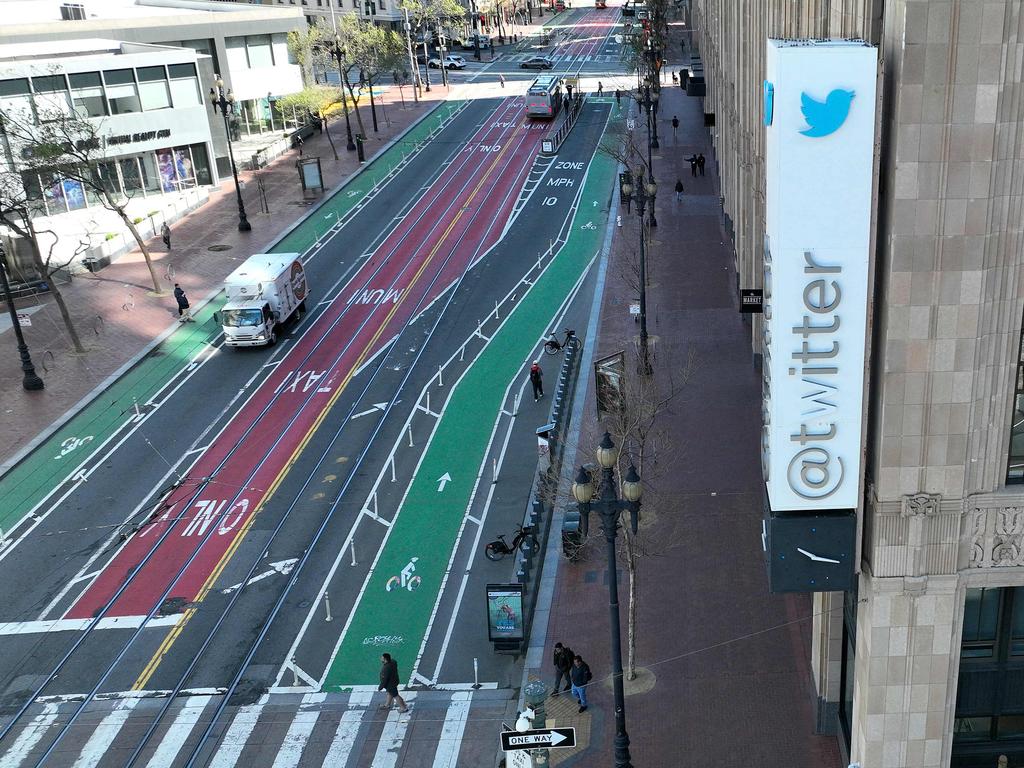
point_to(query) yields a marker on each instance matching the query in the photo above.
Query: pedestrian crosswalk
(599, 58)
(443, 729)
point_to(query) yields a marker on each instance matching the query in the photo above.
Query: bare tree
(15, 207)
(63, 144)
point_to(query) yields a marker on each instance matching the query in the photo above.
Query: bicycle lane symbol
(406, 580)
(71, 444)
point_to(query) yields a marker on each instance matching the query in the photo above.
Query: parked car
(537, 62)
(450, 62)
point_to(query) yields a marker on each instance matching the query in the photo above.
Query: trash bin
(572, 539)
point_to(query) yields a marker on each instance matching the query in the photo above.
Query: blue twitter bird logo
(825, 117)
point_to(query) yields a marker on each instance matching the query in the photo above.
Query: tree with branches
(63, 145)
(369, 52)
(317, 100)
(15, 214)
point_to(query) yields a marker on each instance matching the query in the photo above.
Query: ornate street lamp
(609, 506)
(339, 53)
(29, 379)
(225, 102)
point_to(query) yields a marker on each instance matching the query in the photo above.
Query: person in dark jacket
(165, 235)
(679, 189)
(563, 663)
(184, 313)
(700, 163)
(537, 380)
(692, 160)
(580, 677)
(389, 682)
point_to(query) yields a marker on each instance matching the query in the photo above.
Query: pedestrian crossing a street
(443, 729)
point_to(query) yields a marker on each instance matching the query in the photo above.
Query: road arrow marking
(284, 567)
(376, 407)
(442, 481)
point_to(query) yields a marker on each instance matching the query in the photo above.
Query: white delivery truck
(262, 293)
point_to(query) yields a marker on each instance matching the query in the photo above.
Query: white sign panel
(819, 100)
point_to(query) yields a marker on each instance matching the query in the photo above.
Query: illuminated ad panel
(819, 114)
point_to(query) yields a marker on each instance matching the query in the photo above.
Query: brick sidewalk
(730, 662)
(115, 311)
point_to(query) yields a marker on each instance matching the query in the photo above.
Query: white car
(450, 62)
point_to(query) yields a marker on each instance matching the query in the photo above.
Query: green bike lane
(426, 526)
(61, 457)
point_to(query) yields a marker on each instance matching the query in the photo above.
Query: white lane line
(392, 737)
(70, 625)
(30, 736)
(81, 475)
(289, 753)
(178, 733)
(98, 744)
(235, 739)
(560, 313)
(447, 755)
(344, 740)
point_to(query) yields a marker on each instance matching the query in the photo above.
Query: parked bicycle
(523, 539)
(553, 347)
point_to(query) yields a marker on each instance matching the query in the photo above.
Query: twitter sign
(819, 153)
(825, 117)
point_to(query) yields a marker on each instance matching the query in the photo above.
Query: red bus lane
(209, 513)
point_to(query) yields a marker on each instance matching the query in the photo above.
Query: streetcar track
(206, 537)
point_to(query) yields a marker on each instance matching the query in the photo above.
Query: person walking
(389, 683)
(537, 380)
(184, 313)
(501, 79)
(600, 88)
(165, 234)
(700, 163)
(580, 677)
(675, 126)
(618, 97)
(692, 160)
(563, 665)
(679, 190)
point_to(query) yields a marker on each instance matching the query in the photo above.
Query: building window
(16, 100)
(261, 53)
(1015, 462)
(53, 101)
(153, 91)
(87, 94)
(122, 93)
(981, 623)
(989, 718)
(237, 60)
(184, 85)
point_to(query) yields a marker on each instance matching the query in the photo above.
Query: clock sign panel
(810, 553)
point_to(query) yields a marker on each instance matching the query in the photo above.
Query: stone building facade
(923, 664)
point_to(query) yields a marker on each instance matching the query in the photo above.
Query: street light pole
(641, 202)
(29, 380)
(339, 54)
(609, 506)
(226, 104)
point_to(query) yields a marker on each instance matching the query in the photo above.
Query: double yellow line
(151, 666)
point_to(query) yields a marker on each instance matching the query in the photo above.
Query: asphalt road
(265, 481)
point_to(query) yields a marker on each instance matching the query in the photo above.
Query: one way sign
(536, 739)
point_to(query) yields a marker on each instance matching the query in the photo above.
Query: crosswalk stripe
(345, 737)
(104, 734)
(391, 737)
(234, 740)
(30, 736)
(447, 755)
(178, 733)
(302, 726)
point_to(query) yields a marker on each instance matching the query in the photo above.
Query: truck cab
(248, 324)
